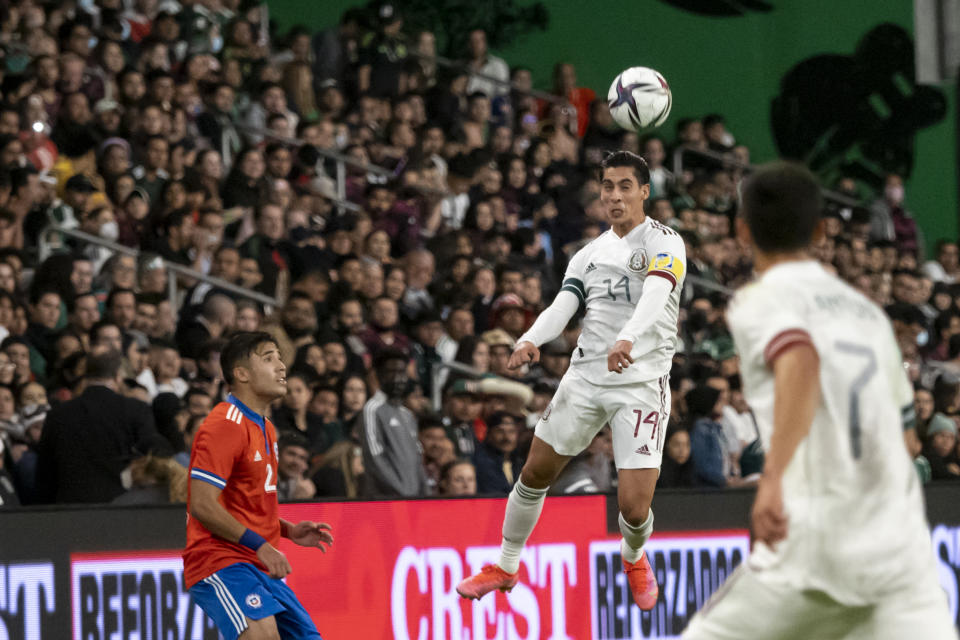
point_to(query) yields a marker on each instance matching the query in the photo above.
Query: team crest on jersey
(638, 261)
(253, 601)
(546, 412)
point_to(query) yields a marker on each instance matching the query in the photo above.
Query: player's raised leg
(524, 505)
(641, 414)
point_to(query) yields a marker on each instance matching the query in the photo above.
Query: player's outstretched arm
(548, 325)
(206, 508)
(796, 396)
(307, 533)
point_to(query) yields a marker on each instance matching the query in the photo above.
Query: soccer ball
(639, 98)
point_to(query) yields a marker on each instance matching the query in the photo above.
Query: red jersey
(235, 450)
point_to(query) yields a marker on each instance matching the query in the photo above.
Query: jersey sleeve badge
(667, 266)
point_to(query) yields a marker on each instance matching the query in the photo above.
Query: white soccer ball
(639, 98)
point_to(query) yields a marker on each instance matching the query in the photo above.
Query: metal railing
(463, 66)
(172, 268)
(341, 160)
(728, 160)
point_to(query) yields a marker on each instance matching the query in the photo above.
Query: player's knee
(536, 478)
(635, 514)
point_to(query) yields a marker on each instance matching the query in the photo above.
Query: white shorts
(637, 413)
(746, 608)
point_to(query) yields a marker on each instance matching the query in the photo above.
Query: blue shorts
(242, 591)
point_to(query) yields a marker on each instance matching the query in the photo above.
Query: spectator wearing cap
(554, 361)
(388, 434)
(940, 448)
(501, 346)
(87, 443)
(107, 118)
(497, 461)
(430, 348)
(510, 314)
(76, 200)
(382, 55)
(462, 408)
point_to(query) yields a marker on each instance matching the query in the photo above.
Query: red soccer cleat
(490, 577)
(643, 584)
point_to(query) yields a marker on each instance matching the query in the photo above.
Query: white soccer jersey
(856, 522)
(608, 275)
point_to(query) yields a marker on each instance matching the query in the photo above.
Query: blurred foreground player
(629, 280)
(231, 564)
(841, 545)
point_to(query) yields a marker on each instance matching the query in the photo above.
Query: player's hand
(523, 353)
(276, 563)
(768, 517)
(312, 534)
(619, 358)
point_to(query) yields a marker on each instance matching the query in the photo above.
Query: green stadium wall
(730, 65)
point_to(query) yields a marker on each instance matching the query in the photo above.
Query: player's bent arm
(206, 508)
(796, 396)
(554, 318)
(656, 292)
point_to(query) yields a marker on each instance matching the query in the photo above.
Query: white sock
(631, 546)
(523, 510)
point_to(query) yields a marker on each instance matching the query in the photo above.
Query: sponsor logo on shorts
(253, 601)
(644, 450)
(638, 261)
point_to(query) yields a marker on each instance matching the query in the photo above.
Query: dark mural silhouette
(856, 115)
(721, 8)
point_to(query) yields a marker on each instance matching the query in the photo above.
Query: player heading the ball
(629, 281)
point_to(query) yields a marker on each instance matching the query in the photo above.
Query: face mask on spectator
(894, 194)
(109, 230)
(697, 320)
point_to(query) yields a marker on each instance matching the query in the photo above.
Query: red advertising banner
(394, 566)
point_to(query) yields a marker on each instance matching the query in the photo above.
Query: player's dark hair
(781, 204)
(627, 159)
(240, 347)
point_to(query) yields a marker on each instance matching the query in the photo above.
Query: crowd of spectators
(187, 131)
